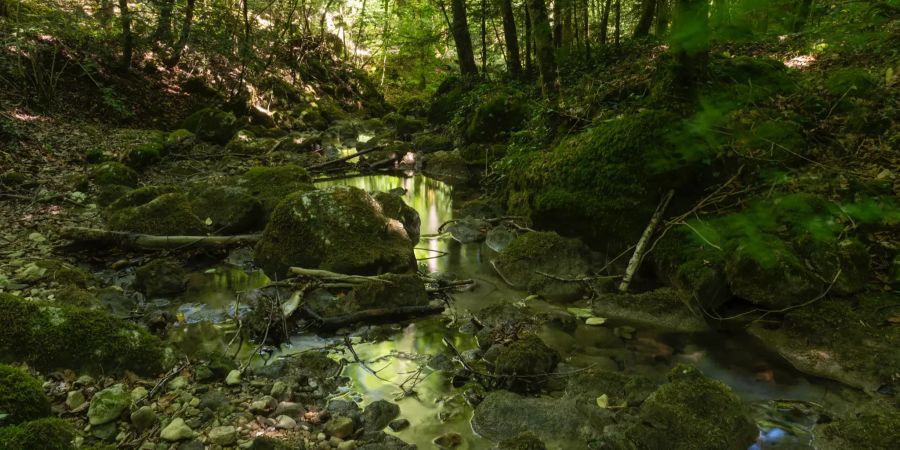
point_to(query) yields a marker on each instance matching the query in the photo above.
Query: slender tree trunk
(359, 34)
(513, 64)
(802, 15)
(384, 40)
(185, 34)
(163, 33)
(557, 23)
(528, 42)
(127, 37)
(4, 10)
(463, 40)
(648, 9)
(662, 18)
(544, 49)
(690, 41)
(484, 38)
(587, 26)
(618, 21)
(604, 22)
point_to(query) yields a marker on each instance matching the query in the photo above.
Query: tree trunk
(802, 15)
(544, 51)
(127, 37)
(604, 22)
(185, 34)
(662, 18)
(484, 38)
(690, 41)
(4, 10)
(648, 9)
(557, 23)
(528, 42)
(618, 36)
(464, 52)
(513, 65)
(163, 33)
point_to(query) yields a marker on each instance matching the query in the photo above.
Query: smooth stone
(179, 382)
(279, 389)
(225, 435)
(399, 424)
(289, 409)
(138, 393)
(448, 440)
(143, 418)
(105, 432)
(285, 423)
(339, 426)
(233, 378)
(75, 399)
(108, 404)
(176, 430)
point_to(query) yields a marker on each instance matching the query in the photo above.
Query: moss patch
(114, 173)
(21, 396)
(212, 125)
(850, 82)
(153, 210)
(495, 117)
(42, 434)
(76, 338)
(270, 185)
(871, 429)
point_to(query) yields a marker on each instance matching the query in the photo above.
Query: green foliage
(76, 338)
(21, 397)
(43, 434)
(212, 125)
(851, 82)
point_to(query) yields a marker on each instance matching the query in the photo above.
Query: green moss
(495, 117)
(447, 166)
(448, 98)
(42, 434)
(114, 173)
(270, 185)
(405, 126)
(144, 155)
(524, 364)
(231, 209)
(869, 430)
(430, 143)
(745, 79)
(13, 179)
(153, 210)
(773, 140)
(523, 441)
(212, 125)
(76, 338)
(21, 396)
(65, 274)
(247, 143)
(693, 412)
(96, 155)
(850, 82)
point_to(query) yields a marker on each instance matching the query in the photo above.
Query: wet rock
(143, 418)
(176, 430)
(153, 211)
(76, 338)
(340, 229)
(224, 435)
(876, 427)
(395, 291)
(776, 281)
(498, 239)
(214, 125)
(340, 427)
(160, 277)
(270, 185)
(693, 412)
(21, 396)
(233, 378)
(524, 441)
(662, 308)
(398, 425)
(74, 399)
(394, 207)
(504, 415)
(231, 209)
(379, 414)
(447, 166)
(548, 253)
(108, 404)
(467, 231)
(448, 440)
(524, 364)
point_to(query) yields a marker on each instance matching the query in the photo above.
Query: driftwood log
(138, 241)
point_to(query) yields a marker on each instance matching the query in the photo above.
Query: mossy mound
(230, 209)
(270, 185)
(146, 154)
(404, 126)
(76, 338)
(65, 274)
(553, 255)
(447, 166)
(661, 308)
(341, 229)
(114, 173)
(693, 267)
(160, 277)
(525, 364)
(448, 98)
(21, 396)
(744, 79)
(693, 412)
(851, 82)
(604, 183)
(213, 125)
(775, 280)
(495, 117)
(394, 207)
(152, 210)
(869, 430)
(179, 140)
(42, 434)
(430, 143)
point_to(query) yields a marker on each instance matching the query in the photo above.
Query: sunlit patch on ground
(800, 62)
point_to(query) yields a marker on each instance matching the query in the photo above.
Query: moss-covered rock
(341, 229)
(153, 210)
(745, 79)
(180, 140)
(247, 143)
(495, 117)
(49, 433)
(523, 441)
(772, 280)
(549, 253)
(660, 308)
(76, 338)
(114, 173)
(146, 154)
(65, 274)
(693, 267)
(448, 98)
(270, 185)
(852, 83)
(447, 166)
(504, 415)
(160, 277)
(395, 291)
(431, 142)
(231, 209)
(211, 124)
(693, 412)
(21, 396)
(404, 126)
(394, 207)
(525, 364)
(871, 429)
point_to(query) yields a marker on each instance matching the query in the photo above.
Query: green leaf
(581, 313)
(603, 401)
(208, 221)
(595, 321)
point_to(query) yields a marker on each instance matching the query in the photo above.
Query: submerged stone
(341, 229)
(379, 414)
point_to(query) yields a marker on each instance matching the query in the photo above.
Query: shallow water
(780, 397)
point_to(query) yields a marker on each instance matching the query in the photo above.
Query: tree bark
(648, 9)
(463, 39)
(690, 41)
(618, 36)
(528, 42)
(513, 64)
(185, 34)
(4, 10)
(484, 38)
(127, 37)
(557, 23)
(163, 33)
(802, 15)
(662, 18)
(544, 49)
(604, 22)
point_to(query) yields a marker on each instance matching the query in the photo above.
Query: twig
(766, 312)
(638, 254)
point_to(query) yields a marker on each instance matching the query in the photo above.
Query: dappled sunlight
(800, 62)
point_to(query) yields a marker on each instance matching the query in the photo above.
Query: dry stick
(138, 241)
(334, 276)
(361, 363)
(638, 254)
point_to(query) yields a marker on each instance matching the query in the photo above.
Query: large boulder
(230, 209)
(393, 206)
(154, 210)
(270, 185)
(447, 166)
(21, 396)
(213, 125)
(341, 229)
(503, 415)
(774, 279)
(540, 261)
(75, 338)
(693, 412)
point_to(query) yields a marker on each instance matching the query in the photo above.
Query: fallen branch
(372, 315)
(342, 159)
(138, 241)
(638, 254)
(340, 278)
